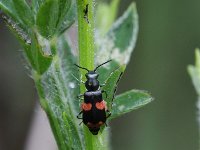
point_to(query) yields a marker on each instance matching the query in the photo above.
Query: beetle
(94, 109)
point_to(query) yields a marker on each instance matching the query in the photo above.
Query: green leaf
(194, 74)
(129, 101)
(39, 60)
(69, 71)
(118, 43)
(68, 17)
(105, 15)
(10, 12)
(36, 5)
(24, 12)
(194, 71)
(7, 7)
(111, 85)
(47, 18)
(21, 35)
(71, 128)
(58, 90)
(64, 6)
(124, 31)
(125, 102)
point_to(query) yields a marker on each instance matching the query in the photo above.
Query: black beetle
(94, 109)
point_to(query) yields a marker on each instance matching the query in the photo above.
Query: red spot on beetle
(90, 125)
(97, 125)
(86, 106)
(101, 105)
(100, 123)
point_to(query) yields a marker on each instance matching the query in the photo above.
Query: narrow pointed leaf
(129, 101)
(111, 85)
(64, 6)
(194, 71)
(74, 141)
(24, 12)
(68, 18)
(36, 5)
(194, 74)
(47, 18)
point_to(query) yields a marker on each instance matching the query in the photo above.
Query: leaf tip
(197, 57)
(133, 7)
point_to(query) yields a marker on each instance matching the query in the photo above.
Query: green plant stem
(86, 33)
(86, 59)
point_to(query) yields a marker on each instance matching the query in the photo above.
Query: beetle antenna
(102, 64)
(81, 67)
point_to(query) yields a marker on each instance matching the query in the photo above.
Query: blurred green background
(169, 32)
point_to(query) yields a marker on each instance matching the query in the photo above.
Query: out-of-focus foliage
(39, 26)
(194, 72)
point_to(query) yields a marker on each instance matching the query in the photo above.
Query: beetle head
(92, 84)
(91, 75)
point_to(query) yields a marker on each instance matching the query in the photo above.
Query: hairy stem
(85, 9)
(86, 33)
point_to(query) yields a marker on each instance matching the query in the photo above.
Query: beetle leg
(79, 96)
(105, 124)
(103, 91)
(101, 85)
(78, 116)
(109, 113)
(80, 123)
